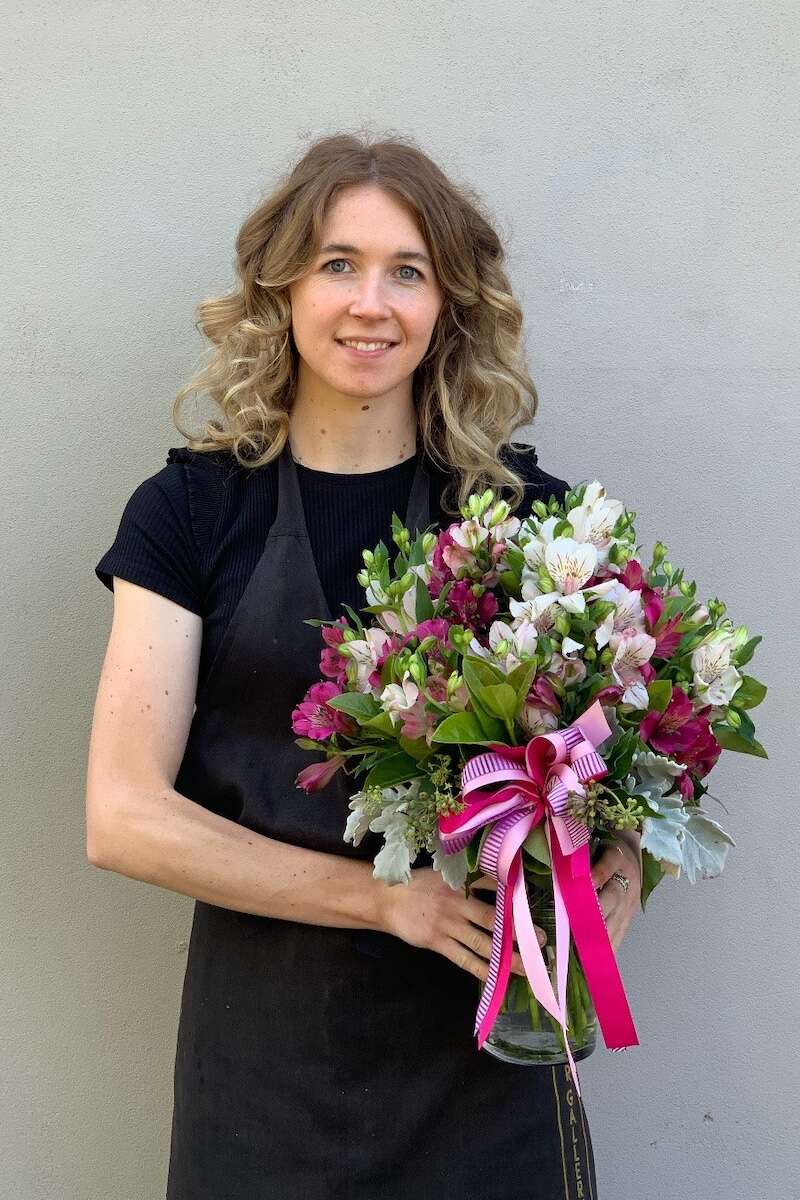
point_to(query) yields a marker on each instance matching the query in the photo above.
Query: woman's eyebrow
(346, 248)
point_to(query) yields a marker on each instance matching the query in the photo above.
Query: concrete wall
(642, 162)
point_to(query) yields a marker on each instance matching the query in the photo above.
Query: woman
(368, 362)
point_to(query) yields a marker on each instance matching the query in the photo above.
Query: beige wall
(641, 160)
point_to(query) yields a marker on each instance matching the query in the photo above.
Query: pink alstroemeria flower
(416, 722)
(314, 718)
(473, 612)
(319, 774)
(684, 736)
(391, 645)
(440, 571)
(653, 606)
(332, 664)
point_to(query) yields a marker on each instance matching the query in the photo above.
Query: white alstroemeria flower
(521, 644)
(540, 609)
(541, 537)
(503, 531)
(570, 564)
(365, 652)
(715, 677)
(470, 534)
(397, 698)
(569, 646)
(628, 614)
(404, 620)
(593, 519)
(631, 651)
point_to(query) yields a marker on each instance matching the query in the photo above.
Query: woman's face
(372, 280)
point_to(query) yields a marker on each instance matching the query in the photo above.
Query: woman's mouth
(365, 349)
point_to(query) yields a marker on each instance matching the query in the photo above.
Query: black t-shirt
(194, 531)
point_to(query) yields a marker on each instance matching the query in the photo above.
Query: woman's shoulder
(213, 460)
(522, 459)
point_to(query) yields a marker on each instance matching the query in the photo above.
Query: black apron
(318, 1063)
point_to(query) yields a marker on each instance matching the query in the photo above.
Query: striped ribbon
(535, 781)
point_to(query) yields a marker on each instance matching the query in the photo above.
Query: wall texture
(639, 162)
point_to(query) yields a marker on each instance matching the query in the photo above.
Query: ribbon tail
(588, 928)
(562, 960)
(494, 989)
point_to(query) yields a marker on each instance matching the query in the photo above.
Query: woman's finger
(483, 914)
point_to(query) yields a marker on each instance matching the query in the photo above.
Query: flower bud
(561, 623)
(416, 669)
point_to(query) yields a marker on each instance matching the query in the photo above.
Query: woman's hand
(427, 912)
(619, 907)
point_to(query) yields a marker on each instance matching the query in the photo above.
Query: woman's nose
(369, 297)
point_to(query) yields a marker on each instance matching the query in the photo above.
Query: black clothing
(194, 530)
(321, 1063)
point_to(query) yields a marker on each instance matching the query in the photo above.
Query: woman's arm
(138, 825)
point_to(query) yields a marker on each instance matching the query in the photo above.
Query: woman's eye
(330, 264)
(403, 267)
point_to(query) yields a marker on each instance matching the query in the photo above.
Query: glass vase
(523, 1031)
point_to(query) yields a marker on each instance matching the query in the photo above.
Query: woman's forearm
(168, 840)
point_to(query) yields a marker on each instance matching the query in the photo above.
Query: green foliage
(652, 874)
(423, 604)
(749, 693)
(619, 758)
(746, 652)
(358, 705)
(733, 739)
(659, 694)
(466, 727)
(392, 769)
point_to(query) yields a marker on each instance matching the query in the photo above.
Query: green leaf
(417, 748)
(309, 744)
(621, 754)
(500, 700)
(381, 723)
(465, 727)
(652, 874)
(749, 693)
(746, 652)
(536, 845)
(355, 704)
(393, 768)
(731, 739)
(478, 673)
(354, 617)
(521, 678)
(659, 693)
(423, 605)
(472, 849)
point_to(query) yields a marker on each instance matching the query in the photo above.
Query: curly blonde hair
(471, 390)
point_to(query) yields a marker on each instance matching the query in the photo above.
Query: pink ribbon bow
(537, 779)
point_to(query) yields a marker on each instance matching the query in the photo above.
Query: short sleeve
(155, 545)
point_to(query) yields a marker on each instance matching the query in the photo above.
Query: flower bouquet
(525, 690)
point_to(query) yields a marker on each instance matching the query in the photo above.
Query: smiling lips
(364, 348)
